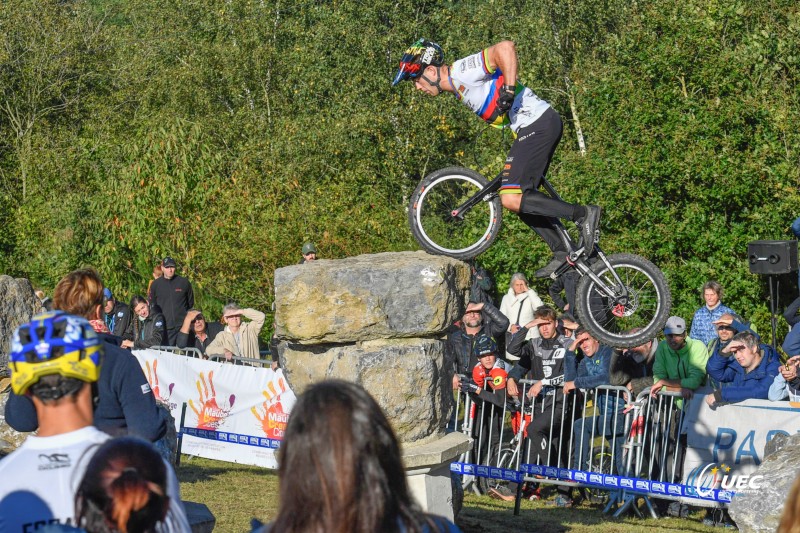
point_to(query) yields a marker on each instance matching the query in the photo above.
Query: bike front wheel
(430, 214)
(639, 308)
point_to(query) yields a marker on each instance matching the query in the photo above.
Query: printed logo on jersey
(471, 62)
(54, 461)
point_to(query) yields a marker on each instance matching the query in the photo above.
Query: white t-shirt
(478, 86)
(38, 482)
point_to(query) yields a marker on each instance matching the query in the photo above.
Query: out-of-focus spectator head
(108, 300)
(675, 332)
(309, 251)
(168, 266)
(642, 352)
(519, 283)
(54, 355)
(124, 488)
(339, 465)
(548, 328)
(39, 294)
(712, 293)
(744, 346)
(157, 271)
(569, 325)
(80, 293)
(140, 306)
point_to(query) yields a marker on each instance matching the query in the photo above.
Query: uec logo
(713, 476)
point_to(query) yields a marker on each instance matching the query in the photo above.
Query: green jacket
(687, 364)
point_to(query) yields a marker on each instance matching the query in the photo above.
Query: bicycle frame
(577, 258)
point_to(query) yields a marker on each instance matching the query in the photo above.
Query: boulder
(761, 510)
(10, 439)
(368, 297)
(18, 303)
(408, 378)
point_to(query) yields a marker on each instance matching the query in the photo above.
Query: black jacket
(118, 319)
(151, 332)
(188, 340)
(459, 343)
(174, 297)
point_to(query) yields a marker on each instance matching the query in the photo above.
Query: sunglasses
(198, 318)
(729, 328)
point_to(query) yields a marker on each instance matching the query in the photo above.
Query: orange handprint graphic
(272, 417)
(210, 415)
(152, 379)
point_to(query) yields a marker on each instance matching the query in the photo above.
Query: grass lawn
(237, 493)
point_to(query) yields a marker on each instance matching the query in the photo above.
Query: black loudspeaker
(772, 257)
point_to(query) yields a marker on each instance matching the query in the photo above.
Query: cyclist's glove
(469, 387)
(506, 99)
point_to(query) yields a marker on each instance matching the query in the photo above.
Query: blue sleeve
(779, 389)
(590, 381)
(570, 368)
(20, 413)
(791, 344)
(720, 368)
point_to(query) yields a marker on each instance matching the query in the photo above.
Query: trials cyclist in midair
(487, 83)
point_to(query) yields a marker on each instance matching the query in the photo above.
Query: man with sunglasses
(480, 318)
(196, 332)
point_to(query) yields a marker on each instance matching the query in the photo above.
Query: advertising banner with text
(234, 413)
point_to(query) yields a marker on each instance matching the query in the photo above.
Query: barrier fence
(616, 447)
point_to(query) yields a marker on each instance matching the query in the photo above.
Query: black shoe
(590, 226)
(549, 268)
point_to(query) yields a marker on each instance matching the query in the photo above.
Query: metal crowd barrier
(189, 352)
(633, 450)
(243, 361)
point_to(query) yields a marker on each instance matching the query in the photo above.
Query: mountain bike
(457, 212)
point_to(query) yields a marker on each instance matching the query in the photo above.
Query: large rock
(761, 510)
(409, 378)
(18, 303)
(388, 295)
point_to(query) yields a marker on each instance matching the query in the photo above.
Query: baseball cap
(484, 345)
(675, 326)
(107, 294)
(168, 262)
(309, 248)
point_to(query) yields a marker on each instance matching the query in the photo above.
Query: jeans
(609, 426)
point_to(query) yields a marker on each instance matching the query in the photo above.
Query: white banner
(735, 434)
(234, 413)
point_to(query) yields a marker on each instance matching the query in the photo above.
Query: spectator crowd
(559, 359)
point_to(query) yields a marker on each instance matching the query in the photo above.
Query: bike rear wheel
(645, 308)
(437, 230)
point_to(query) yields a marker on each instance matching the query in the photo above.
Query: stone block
(18, 303)
(409, 378)
(377, 296)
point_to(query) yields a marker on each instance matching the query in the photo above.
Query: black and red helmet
(416, 57)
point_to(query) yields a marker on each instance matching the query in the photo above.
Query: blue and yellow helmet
(416, 57)
(54, 343)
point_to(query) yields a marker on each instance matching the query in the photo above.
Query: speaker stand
(773, 305)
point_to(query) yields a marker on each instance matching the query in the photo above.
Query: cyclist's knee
(511, 201)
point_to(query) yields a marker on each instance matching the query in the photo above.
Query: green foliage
(227, 134)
